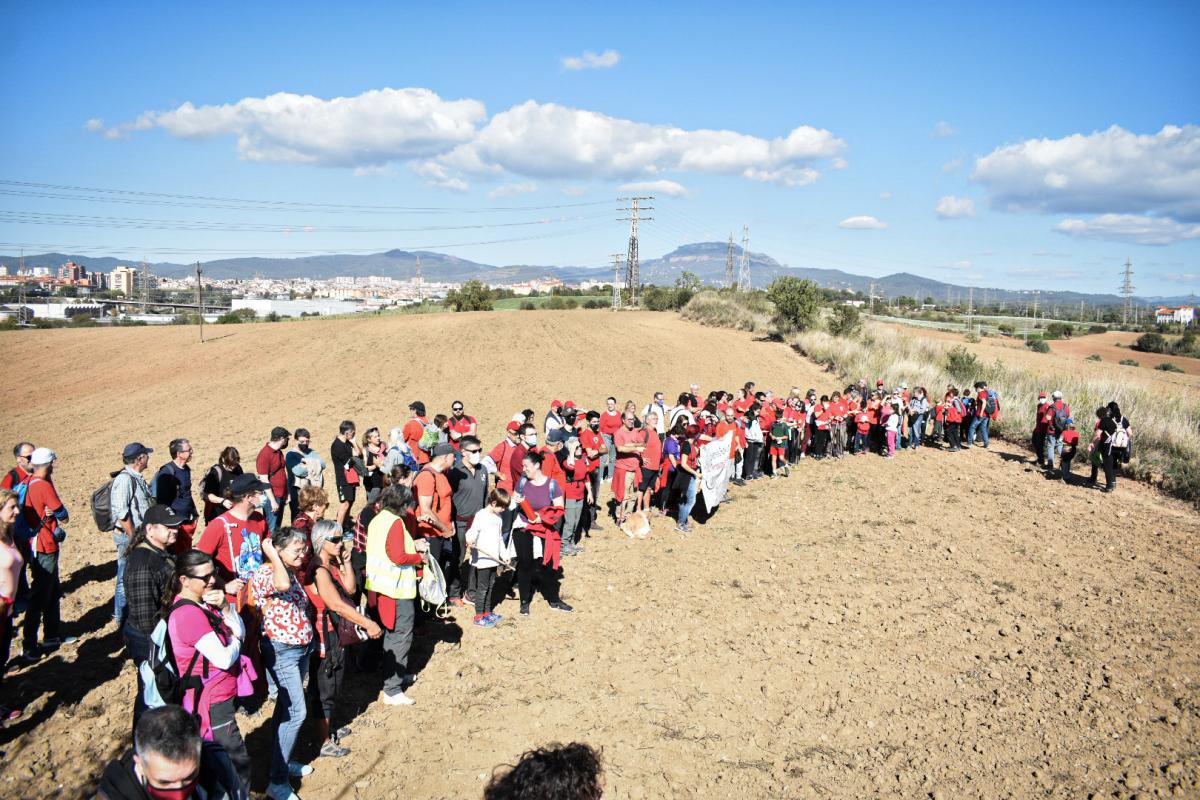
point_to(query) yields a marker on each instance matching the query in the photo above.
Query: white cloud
(549, 140)
(951, 207)
(1106, 172)
(512, 190)
(1182, 277)
(885, 195)
(658, 187)
(574, 191)
(94, 125)
(839, 163)
(1130, 228)
(447, 140)
(862, 223)
(943, 130)
(590, 60)
(374, 127)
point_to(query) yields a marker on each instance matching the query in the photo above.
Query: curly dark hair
(555, 772)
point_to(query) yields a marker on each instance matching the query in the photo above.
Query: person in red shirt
(459, 424)
(501, 454)
(743, 402)
(574, 467)
(234, 538)
(629, 443)
(954, 416)
(414, 429)
(43, 511)
(862, 432)
(22, 471)
(651, 462)
(837, 425)
(435, 514)
(1040, 425)
(272, 470)
(595, 448)
(610, 423)
(1070, 442)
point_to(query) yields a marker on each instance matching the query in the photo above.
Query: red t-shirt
(591, 440)
(864, 423)
(626, 436)
(981, 403)
(270, 463)
(8, 483)
(432, 484)
(573, 489)
(740, 406)
(413, 430)
(499, 456)
(236, 545)
(766, 418)
(610, 423)
(461, 426)
(652, 455)
(41, 501)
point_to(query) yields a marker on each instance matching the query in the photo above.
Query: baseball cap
(904, 386)
(556, 403)
(1071, 421)
(879, 382)
(443, 449)
(247, 483)
(42, 456)
(569, 404)
(135, 449)
(513, 426)
(557, 436)
(1041, 395)
(1057, 395)
(162, 515)
(417, 406)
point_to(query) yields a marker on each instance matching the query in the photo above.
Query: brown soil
(945, 625)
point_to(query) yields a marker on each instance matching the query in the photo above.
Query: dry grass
(743, 312)
(1165, 420)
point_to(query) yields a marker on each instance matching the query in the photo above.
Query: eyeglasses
(334, 539)
(209, 578)
(475, 450)
(457, 408)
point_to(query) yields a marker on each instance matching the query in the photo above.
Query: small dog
(636, 525)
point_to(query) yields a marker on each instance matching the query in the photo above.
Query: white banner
(716, 470)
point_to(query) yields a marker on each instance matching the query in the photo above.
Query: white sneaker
(281, 791)
(398, 699)
(298, 770)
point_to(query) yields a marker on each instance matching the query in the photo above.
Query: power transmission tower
(633, 275)
(871, 299)
(21, 290)
(616, 287)
(729, 264)
(1127, 292)
(744, 270)
(420, 282)
(200, 300)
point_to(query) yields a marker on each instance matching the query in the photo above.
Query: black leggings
(953, 433)
(528, 567)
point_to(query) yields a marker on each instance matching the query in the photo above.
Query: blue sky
(1056, 143)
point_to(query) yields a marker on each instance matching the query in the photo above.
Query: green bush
(471, 296)
(1058, 330)
(1006, 328)
(845, 320)
(972, 337)
(796, 302)
(1167, 366)
(234, 317)
(962, 364)
(527, 305)
(1093, 357)
(595, 304)
(1151, 343)
(1097, 329)
(1038, 345)
(1128, 362)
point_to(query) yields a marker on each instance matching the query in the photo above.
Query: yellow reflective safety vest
(384, 575)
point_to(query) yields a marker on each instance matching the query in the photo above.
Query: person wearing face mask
(304, 467)
(169, 761)
(469, 490)
(435, 513)
(1041, 423)
(594, 448)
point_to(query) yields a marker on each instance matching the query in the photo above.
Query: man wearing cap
(43, 511)
(1056, 415)
(414, 429)
(435, 507)
(271, 468)
(554, 420)
(1040, 425)
(148, 571)
(234, 538)
(128, 501)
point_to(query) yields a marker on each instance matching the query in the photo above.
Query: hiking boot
(332, 749)
(561, 606)
(342, 732)
(524, 609)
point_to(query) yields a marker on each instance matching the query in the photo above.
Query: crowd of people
(226, 609)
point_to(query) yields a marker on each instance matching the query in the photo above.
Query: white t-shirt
(893, 422)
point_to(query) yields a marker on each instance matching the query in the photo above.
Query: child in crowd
(892, 423)
(483, 539)
(779, 443)
(1070, 443)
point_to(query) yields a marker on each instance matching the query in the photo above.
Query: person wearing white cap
(43, 513)
(128, 501)
(1057, 414)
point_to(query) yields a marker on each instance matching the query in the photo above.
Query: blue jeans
(915, 431)
(608, 461)
(687, 501)
(286, 664)
(121, 540)
(1053, 449)
(980, 424)
(861, 443)
(274, 518)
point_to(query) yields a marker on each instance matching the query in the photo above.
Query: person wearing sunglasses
(206, 636)
(469, 487)
(331, 585)
(459, 425)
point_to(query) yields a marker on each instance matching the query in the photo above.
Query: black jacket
(218, 779)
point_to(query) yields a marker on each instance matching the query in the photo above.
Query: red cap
(879, 382)
(1041, 395)
(569, 404)
(513, 426)
(556, 403)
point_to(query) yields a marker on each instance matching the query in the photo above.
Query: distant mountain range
(705, 259)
